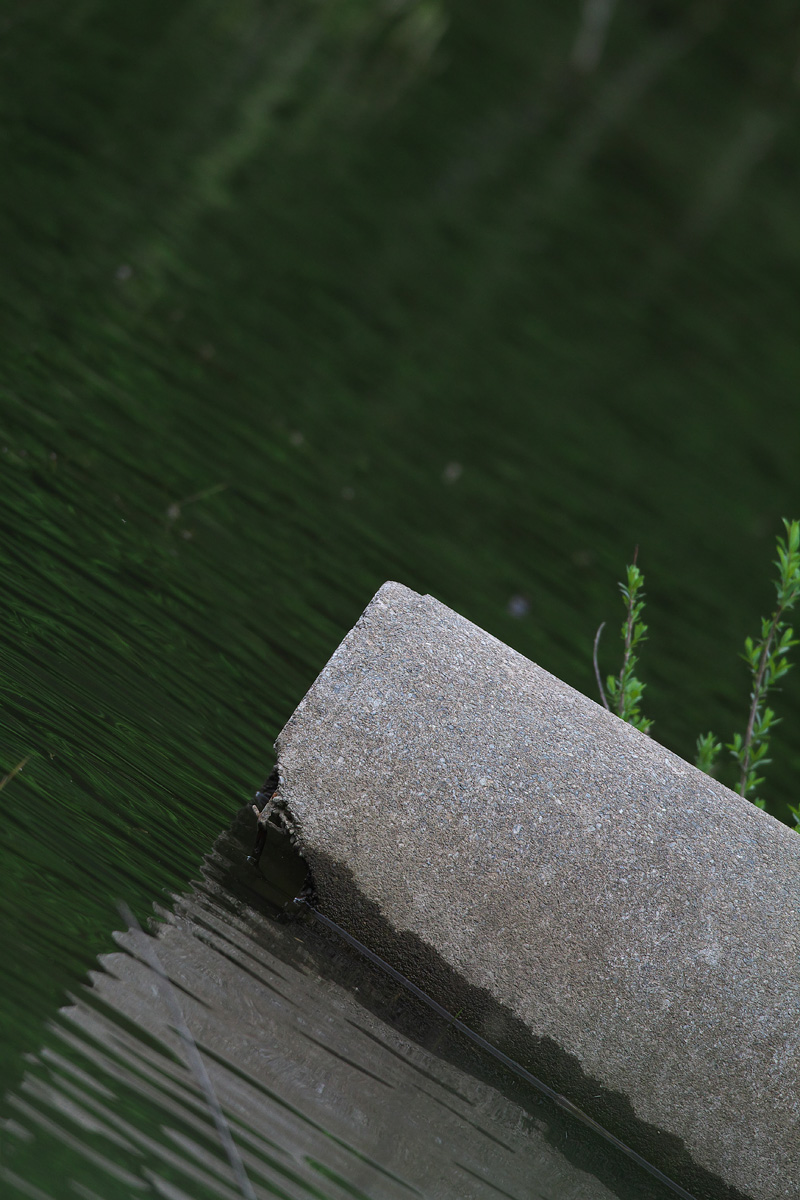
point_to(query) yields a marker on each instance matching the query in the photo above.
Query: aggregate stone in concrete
(617, 901)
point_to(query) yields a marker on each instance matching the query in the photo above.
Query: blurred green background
(297, 298)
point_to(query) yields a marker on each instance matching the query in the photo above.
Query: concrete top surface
(626, 908)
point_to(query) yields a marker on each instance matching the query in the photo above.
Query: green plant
(766, 656)
(707, 753)
(626, 689)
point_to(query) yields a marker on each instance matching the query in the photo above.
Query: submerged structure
(618, 922)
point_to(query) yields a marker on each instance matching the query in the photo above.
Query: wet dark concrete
(619, 920)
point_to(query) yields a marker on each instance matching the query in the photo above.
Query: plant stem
(622, 694)
(767, 658)
(597, 674)
(621, 697)
(756, 699)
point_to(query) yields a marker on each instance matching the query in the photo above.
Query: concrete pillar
(620, 923)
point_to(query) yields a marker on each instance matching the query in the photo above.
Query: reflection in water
(309, 1053)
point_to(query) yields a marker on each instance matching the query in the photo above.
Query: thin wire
(193, 1057)
(514, 1066)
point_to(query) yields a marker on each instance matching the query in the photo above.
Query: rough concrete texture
(621, 904)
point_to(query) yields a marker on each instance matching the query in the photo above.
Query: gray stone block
(622, 924)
